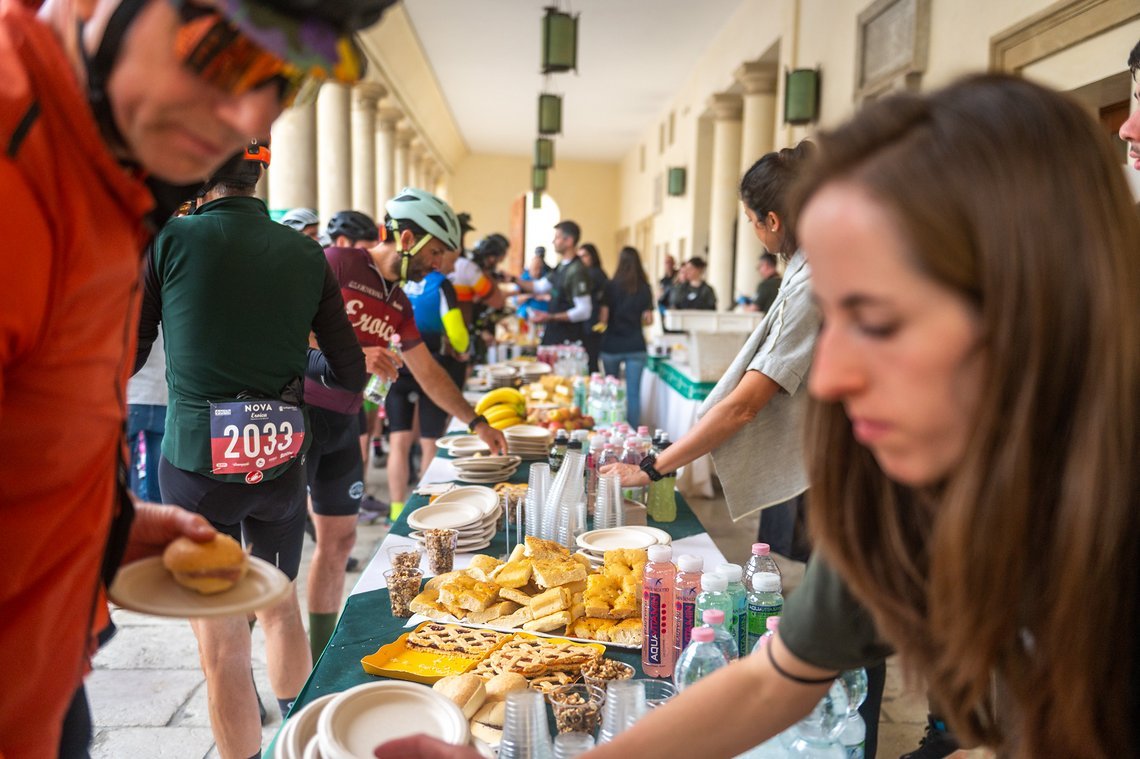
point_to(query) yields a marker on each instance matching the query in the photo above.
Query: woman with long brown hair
(627, 307)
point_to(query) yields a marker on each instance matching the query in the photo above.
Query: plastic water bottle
(558, 451)
(714, 595)
(772, 623)
(593, 456)
(714, 618)
(816, 736)
(685, 589)
(853, 738)
(633, 453)
(764, 601)
(739, 624)
(700, 658)
(661, 505)
(377, 388)
(657, 613)
(760, 561)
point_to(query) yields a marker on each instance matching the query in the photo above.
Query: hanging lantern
(549, 114)
(544, 153)
(538, 180)
(559, 42)
(536, 200)
(801, 96)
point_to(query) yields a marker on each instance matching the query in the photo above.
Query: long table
(366, 623)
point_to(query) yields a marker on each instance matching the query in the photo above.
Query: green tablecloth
(367, 623)
(678, 380)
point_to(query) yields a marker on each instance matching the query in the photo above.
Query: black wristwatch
(475, 423)
(647, 466)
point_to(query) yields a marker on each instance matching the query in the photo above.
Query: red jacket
(70, 218)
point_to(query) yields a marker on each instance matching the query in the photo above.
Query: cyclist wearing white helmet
(304, 220)
(418, 229)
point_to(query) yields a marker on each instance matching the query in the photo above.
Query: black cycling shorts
(268, 516)
(400, 405)
(334, 468)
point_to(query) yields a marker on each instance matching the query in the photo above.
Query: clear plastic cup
(403, 586)
(658, 692)
(607, 501)
(405, 556)
(577, 707)
(440, 548)
(625, 705)
(525, 732)
(570, 745)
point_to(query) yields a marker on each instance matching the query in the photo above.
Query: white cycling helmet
(429, 213)
(299, 218)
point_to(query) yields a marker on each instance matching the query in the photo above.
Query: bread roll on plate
(467, 691)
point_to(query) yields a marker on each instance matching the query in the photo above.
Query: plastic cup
(405, 556)
(403, 586)
(625, 704)
(604, 671)
(657, 692)
(608, 501)
(525, 734)
(577, 707)
(570, 745)
(537, 487)
(440, 547)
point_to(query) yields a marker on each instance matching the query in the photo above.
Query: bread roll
(467, 691)
(507, 682)
(492, 736)
(492, 713)
(211, 567)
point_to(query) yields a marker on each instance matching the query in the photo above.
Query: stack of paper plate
(358, 720)
(301, 729)
(530, 371)
(471, 511)
(461, 446)
(528, 441)
(486, 469)
(500, 375)
(594, 544)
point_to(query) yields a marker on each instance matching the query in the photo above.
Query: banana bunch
(503, 407)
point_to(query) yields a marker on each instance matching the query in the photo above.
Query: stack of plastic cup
(525, 731)
(608, 501)
(571, 507)
(625, 704)
(536, 498)
(570, 745)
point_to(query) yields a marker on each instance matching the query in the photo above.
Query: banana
(505, 423)
(500, 395)
(501, 412)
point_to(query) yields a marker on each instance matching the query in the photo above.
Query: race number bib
(250, 437)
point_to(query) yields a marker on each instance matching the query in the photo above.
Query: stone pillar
(386, 119)
(724, 195)
(416, 163)
(758, 132)
(334, 150)
(365, 97)
(402, 168)
(292, 175)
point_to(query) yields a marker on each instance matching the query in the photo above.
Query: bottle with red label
(657, 613)
(377, 388)
(685, 589)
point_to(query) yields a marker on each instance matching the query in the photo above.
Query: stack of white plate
(301, 729)
(501, 375)
(530, 371)
(486, 469)
(594, 544)
(472, 511)
(355, 722)
(460, 446)
(528, 441)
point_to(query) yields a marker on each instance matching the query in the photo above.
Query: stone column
(416, 163)
(386, 119)
(402, 168)
(758, 131)
(334, 150)
(365, 97)
(723, 195)
(292, 175)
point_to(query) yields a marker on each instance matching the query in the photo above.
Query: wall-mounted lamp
(801, 96)
(559, 41)
(676, 181)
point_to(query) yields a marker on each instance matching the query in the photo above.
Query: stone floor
(148, 696)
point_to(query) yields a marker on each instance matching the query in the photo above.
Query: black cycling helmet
(242, 169)
(354, 225)
(491, 246)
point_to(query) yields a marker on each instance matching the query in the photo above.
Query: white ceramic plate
(301, 728)
(448, 515)
(145, 586)
(615, 537)
(362, 718)
(485, 499)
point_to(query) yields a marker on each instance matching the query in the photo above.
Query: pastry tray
(450, 620)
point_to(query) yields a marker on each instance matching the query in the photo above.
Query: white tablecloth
(663, 407)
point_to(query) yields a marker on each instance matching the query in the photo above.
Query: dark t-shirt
(598, 282)
(623, 333)
(683, 296)
(378, 310)
(568, 281)
(766, 293)
(825, 626)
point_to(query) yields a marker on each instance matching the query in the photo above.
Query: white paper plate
(662, 537)
(485, 499)
(362, 718)
(448, 515)
(313, 749)
(615, 537)
(593, 558)
(527, 432)
(146, 586)
(301, 728)
(493, 479)
(463, 544)
(486, 462)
